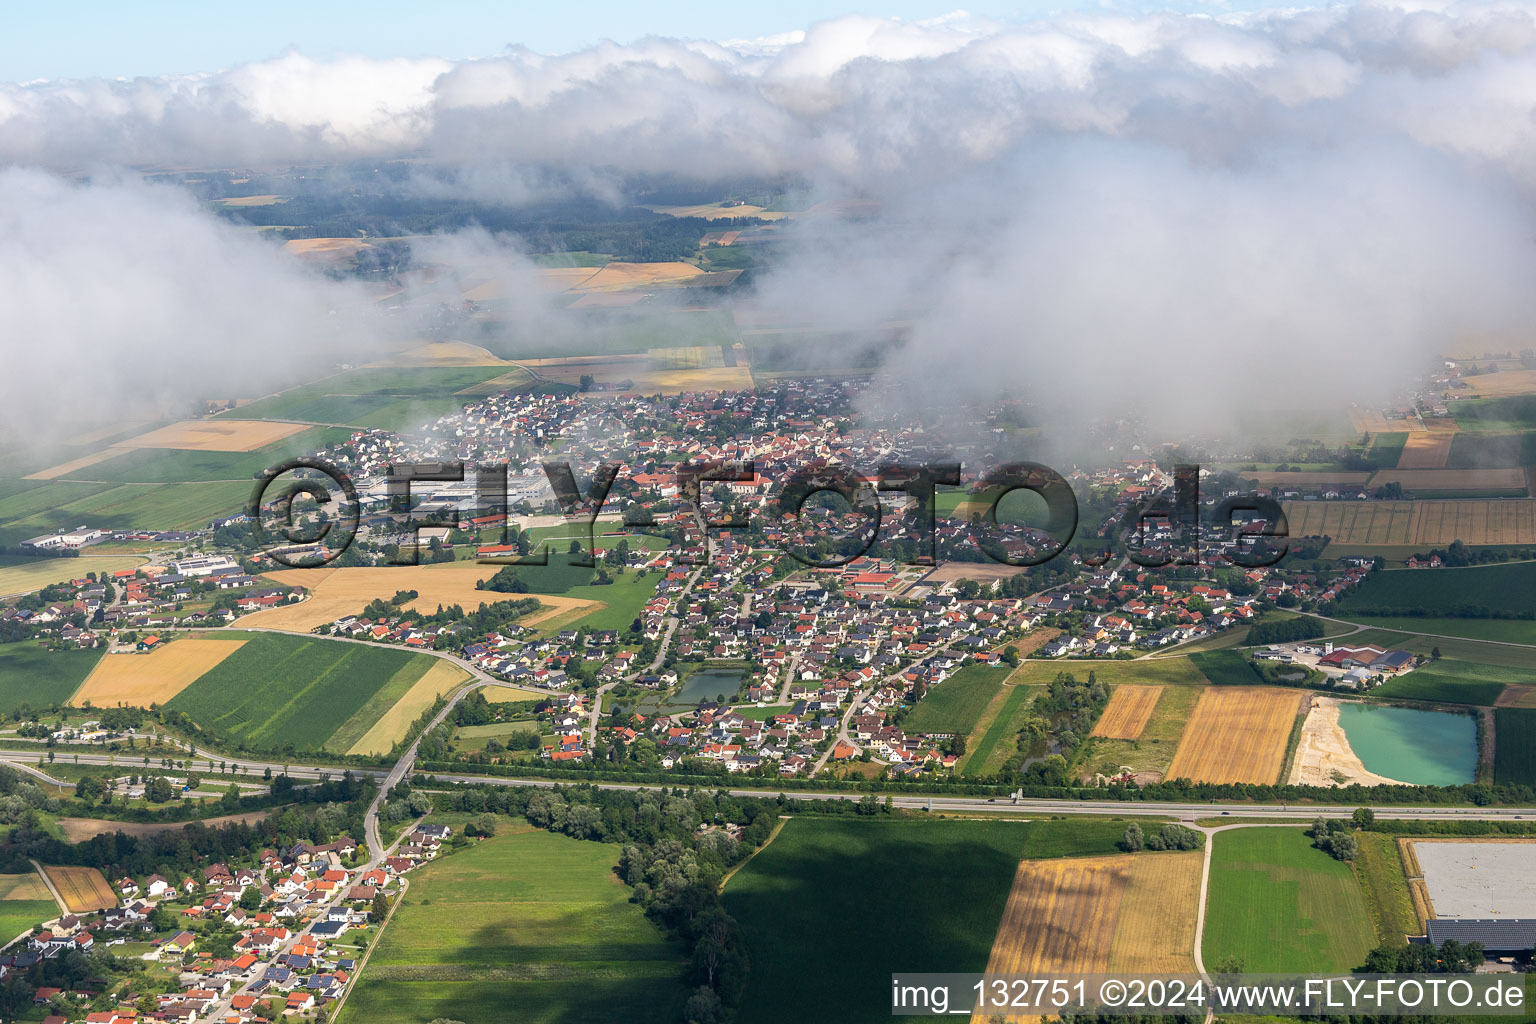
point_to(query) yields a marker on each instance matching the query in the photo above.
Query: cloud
(124, 300)
(1156, 209)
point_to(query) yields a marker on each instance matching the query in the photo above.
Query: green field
(1387, 447)
(16, 916)
(159, 506)
(955, 705)
(278, 691)
(624, 597)
(390, 398)
(1385, 888)
(33, 677)
(1226, 668)
(375, 707)
(528, 926)
(1515, 751)
(808, 901)
(1149, 672)
(1278, 904)
(1452, 681)
(1504, 631)
(1507, 587)
(989, 755)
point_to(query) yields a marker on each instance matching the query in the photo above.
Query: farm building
(1500, 936)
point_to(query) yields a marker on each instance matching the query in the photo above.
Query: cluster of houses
(291, 948)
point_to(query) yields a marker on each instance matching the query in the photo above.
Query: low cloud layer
(1200, 215)
(122, 300)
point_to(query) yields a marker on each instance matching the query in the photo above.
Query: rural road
(57, 897)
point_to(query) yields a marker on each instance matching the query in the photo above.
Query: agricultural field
(1426, 483)
(1153, 671)
(83, 889)
(527, 919)
(338, 592)
(1154, 749)
(442, 353)
(1127, 913)
(1500, 384)
(1515, 751)
(956, 704)
(33, 677)
(1440, 632)
(1453, 682)
(1237, 735)
(806, 900)
(1278, 904)
(162, 506)
(1422, 524)
(1130, 708)
(279, 692)
(139, 680)
(22, 575)
(25, 902)
(400, 708)
(1385, 888)
(1506, 587)
(650, 373)
(998, 725)
(1226, 667)
(390, 398)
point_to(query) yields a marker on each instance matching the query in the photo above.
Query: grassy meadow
(31, 676)
(1278, 904)
(527, 920)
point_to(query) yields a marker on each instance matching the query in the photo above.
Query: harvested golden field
(1156, 930)
(74, 465)
(1061, 916)
(84, 889)
(556, 606)
(644, 376)
(1125, 913)
(438, 681)
(24, 887)
(1425, 451)
(443, 353)
(623, 276)
(1512, 479)
(715, 211)
(1129, 709)
(329, 250)
(251, 201)
(1423, 524)
(1498, 385)
(335, 593)
(139, 680)
(1237, 734)
(25, 577)
(215, 435)
(1371, 421)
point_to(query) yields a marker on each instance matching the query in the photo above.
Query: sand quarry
(1324, 757)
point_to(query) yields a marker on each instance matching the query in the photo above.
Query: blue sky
(110, 38)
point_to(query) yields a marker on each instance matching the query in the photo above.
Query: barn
(1499, 936)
